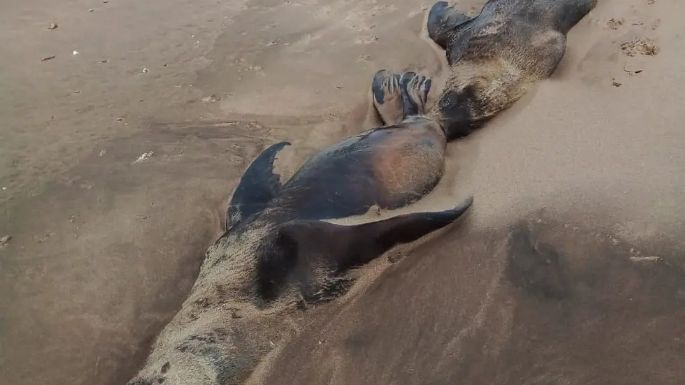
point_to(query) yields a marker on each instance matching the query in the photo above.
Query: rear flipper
(257, 186)
(442, 19)
(387, 96)
(415, 90)
(321, 252)
(399, 96)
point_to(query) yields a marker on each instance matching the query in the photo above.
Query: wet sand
(104, 247)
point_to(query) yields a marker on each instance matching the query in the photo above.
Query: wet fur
(497, 55)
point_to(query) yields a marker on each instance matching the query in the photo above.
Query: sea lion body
(388, 167)
(277, 252)
(495, 56)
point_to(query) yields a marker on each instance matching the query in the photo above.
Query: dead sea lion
(495, 56)
(277, 251)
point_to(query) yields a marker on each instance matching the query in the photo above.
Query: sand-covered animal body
(495, 56)
(278, 251)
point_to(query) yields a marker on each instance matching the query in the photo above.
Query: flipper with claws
(399, 96)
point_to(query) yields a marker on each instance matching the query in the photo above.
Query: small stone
(145, 70)
(91, 10)
(48, 58)
(75, 52)
(144, 156)
(615, 83)
(5, 240)
(394, 257)
(53, 26)
(211, 99)
(650, 259)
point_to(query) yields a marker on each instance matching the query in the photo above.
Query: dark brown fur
(497, 55)
(277, 252)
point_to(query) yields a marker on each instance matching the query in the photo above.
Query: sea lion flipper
(414, 89)
(387, 96)
(257, 186)
(397, 97)
(442, 19)
(370, 240)
(567, 13)
(312, 245)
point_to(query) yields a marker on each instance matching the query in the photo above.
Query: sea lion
(494, 57)
(277, 251)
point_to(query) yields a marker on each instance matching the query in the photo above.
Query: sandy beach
(127, 125)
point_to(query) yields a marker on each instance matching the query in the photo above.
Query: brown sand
(104, 248)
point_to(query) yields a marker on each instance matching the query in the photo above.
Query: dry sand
(104, 248)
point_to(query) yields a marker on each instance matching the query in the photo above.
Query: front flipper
(257, 186)
(442, 19)
(567, 13)
(318, 252)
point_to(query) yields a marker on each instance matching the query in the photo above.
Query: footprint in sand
(614, 23)
(646, 47)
